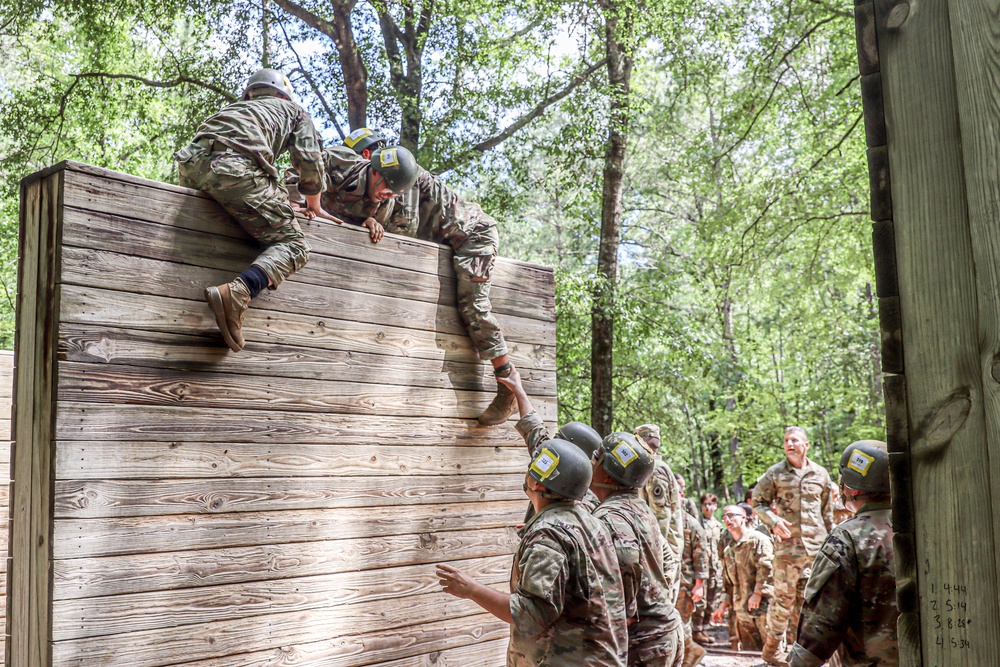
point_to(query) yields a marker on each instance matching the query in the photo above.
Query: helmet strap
(613, 487)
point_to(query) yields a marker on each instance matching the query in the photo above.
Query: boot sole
(214, 298)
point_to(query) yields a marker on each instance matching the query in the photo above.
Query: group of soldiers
(615, 565)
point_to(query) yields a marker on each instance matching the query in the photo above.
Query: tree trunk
(602, 314)
(406, 65)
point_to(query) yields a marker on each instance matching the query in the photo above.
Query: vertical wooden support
(31, 506)
(936, 65)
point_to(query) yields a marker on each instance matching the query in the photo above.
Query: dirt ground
(730, 661)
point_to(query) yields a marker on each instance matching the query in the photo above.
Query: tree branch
(173, 83)
(511, 129)
(312, 84)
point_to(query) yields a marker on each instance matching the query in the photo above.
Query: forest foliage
(744, 290)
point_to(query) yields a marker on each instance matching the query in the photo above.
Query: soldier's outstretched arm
(530, 426)
(455, 582)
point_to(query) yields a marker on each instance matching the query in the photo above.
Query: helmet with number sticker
(398, 166)
(581, 435)
(270, 82)
(626, 460)
(864, 466)
(562, 468)
(363, 138)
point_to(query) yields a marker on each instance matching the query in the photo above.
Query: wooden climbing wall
(179, 504)
(6, 390)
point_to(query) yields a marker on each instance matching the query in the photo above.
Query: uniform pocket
(232, 165)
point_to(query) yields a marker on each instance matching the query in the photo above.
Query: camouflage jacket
(747, 568)
(801, 496)
(713, 538)
(851, 596)
(664, 498)
(567, 603)
(694, 561)
(648, 603)
(434, 212)
(346, 196)
(532, 429)
(265, 127)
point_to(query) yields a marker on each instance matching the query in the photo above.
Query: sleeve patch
(822, 569)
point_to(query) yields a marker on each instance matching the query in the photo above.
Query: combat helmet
(397, 165)
(562, 468)
(626, 460)
(581, 435)
(270, 80)
(363, 138)
(864, 466)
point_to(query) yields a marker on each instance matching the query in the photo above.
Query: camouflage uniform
(232, 159)
(444, 217)
(654, 633)
(694, 565)
(801, 496)
(532, 429)
(713, 584)
(664, 498)
(747, 570)
(851, 595)
(567, 603)
(346, 196)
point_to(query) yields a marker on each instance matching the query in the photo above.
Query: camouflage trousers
(792, 567)
(667, 651)
(258, 202)
(751, 630)
(473, 263)
(685, 605)
(703, 609)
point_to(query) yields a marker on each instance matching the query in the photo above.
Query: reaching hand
(512, 381)
(754, 601)
(455, 582)
(375, 229)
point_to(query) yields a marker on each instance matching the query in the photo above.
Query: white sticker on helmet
(860, 462)
(624, 454)
(545, 463)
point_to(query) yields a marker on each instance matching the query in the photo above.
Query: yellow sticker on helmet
(860, 462)
(545, 463)
(356, 136)
(388, 157)
(624, 453)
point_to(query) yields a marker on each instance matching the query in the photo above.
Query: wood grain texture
(88, 538)
(78, 578)
(941, 323)
(485, 635)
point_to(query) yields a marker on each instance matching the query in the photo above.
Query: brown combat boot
(693, 653)
(503, 404)
(772, 654)
(734, 644)
(229, 302)
(703, 638)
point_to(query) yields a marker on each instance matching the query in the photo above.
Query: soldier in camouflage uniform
(442, 217)
(566, 605)
(851, 594)
(694, 572)
(532, 429)
(747, 576)
(840, 511)
(664, 498)
(621, 467)
(801, 519)
(232, 159)
(713, 584)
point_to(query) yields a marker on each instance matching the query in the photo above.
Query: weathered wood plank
(115, 614)
(937, 270)
(88, 538)
(486, 654)
(153, 648)
(119, 498)
(99, 383)
(154, 202)
(169, 460)
(95, 421)
(483, 633)
(116, 575)
(154, 349)
(83, 305)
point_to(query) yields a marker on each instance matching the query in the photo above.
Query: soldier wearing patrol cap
(664, 498)
(850, 598)
(566, 606)
(622, 467)
(232, 159)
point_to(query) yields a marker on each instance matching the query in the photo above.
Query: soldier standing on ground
(443, 217)
(747, 577)
(532, 429)
(694, 572)
(850, 600)
(713, 584)
(622, 466)
(566, 606)
(232, 159)
(800, 520)
(664, 498)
